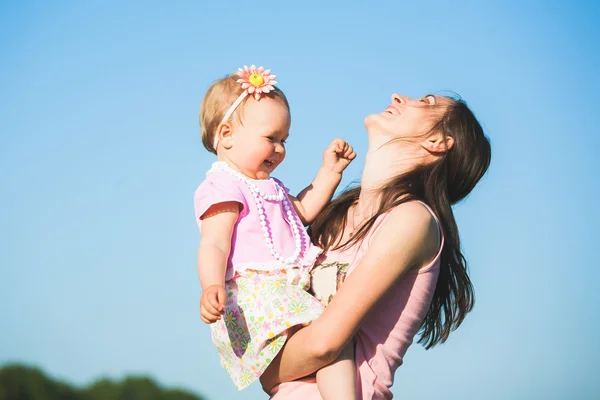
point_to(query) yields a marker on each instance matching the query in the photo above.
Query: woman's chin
(376, 124)
(371, 119)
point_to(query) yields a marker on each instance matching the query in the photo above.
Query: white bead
(279, 196)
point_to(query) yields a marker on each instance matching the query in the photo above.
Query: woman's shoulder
(415, 214)
(411, 224)
(414, 211)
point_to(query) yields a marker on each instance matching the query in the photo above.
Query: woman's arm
(408, 239)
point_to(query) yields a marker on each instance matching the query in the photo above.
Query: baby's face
(258, 143)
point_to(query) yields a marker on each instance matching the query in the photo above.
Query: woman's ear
(225, 135)
(439, 143)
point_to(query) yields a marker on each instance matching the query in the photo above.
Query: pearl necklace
(259, 196)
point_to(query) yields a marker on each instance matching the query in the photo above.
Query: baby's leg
(338, 379)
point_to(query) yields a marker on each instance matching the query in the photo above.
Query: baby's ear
(224, 135)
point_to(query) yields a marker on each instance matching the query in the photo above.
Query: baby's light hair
(217, 100)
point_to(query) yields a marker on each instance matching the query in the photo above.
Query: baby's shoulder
(218, 187)
(281, 184)
(219, 180)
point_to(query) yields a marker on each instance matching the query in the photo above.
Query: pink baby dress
(267, 272)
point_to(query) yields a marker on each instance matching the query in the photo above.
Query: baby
(255, 257)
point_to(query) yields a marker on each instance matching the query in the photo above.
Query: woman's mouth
(392, 110)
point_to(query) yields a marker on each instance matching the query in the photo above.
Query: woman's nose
(396, 98)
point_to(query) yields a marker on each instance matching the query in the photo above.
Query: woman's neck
(384, 161)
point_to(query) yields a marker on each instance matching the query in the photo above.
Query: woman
(397, 236)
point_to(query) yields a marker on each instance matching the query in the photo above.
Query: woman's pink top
(387, 331)
(249, 249)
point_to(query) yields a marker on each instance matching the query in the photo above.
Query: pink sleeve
(217, 188)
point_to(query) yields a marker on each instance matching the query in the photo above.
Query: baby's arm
(213, 252)
(313, 198)
(338, 379)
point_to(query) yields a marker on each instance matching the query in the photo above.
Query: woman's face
(407, 118)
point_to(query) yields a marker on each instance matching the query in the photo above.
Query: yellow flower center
(256, 80)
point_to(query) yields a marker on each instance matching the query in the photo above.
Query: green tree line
(20, 382)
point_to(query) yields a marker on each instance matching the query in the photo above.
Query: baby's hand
(338, 155)
(212, 303)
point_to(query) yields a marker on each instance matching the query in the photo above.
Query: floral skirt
(260, 309)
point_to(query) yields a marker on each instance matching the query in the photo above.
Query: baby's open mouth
(269, 163)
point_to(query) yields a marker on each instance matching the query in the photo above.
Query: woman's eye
(429, 100)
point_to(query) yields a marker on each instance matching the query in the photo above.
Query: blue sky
(100, 155)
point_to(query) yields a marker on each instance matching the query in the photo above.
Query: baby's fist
(338, 156)
(212, 303)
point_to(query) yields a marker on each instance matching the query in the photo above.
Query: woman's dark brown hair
(440, 185)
